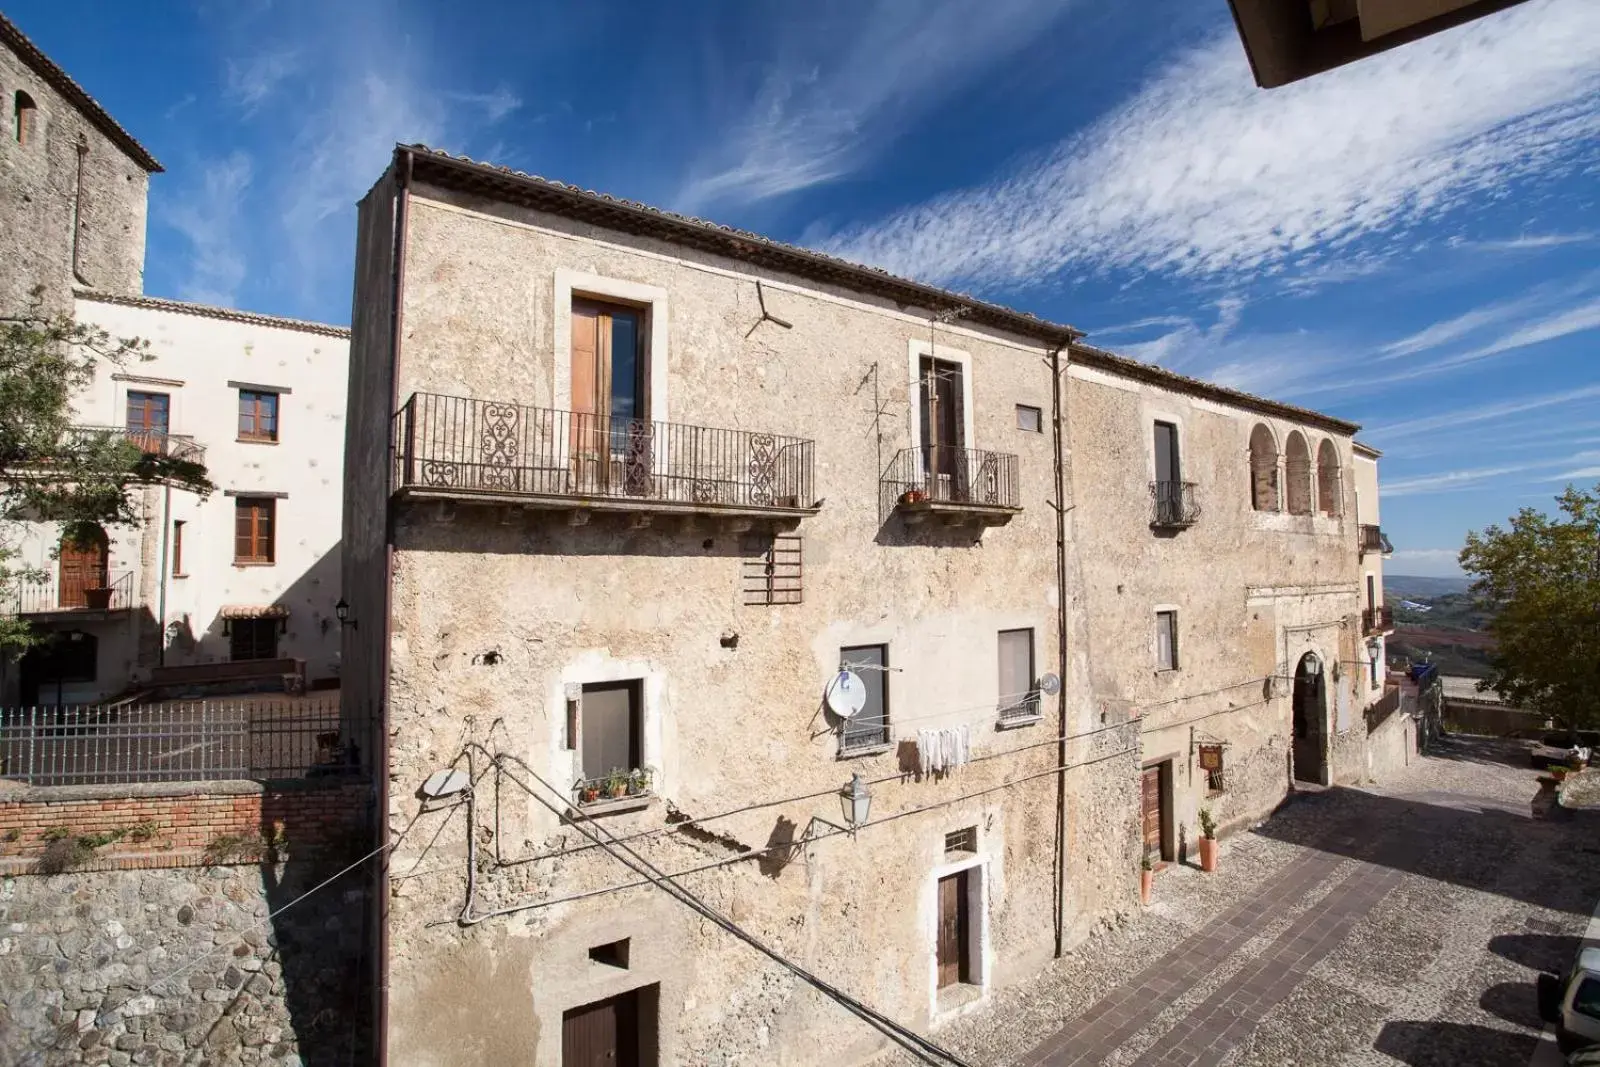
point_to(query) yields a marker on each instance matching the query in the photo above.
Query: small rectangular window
(612, 733)
(254, 534)
(959, 841)
(1030, 418)
(177, 548)
(1019, 700)
(258, 415)
(1167, 640)
(868, 728)
(253, 639)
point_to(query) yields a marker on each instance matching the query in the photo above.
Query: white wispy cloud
(251, 79)
(1452, 481)
(496, 105)
(1425, 555)
(209, 219)
(1579, 319)
(1480, 413)
(1200, 173)
(1453, 329)
(838, 87)
(1531, 242)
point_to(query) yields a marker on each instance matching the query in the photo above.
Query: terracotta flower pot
(913, 496)
(97, 599)
(1147, 886)
(1208, 854)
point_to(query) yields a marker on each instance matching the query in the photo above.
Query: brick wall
(176, 825)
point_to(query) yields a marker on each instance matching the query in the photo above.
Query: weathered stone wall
(39, 201)
(182, 966)
(1391, 746)
(495, 613)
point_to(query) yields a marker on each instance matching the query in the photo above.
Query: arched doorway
(1310, 720)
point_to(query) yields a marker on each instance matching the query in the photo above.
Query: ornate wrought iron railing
(44, 596)
(941, 474)
(152, 442)
(1173, 505)
(1373, 539)
(483, 447)
(1377, 620)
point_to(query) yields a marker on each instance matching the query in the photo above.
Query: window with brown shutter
(253, 529)
(177, 548)
(258, 415)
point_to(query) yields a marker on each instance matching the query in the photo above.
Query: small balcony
(452, 448)
(955, 485)
(1373, 539)
(1173, 505)
(47, 599)
(1375, 622)
(150, 442)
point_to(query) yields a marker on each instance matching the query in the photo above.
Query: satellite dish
(442, 784)
(1050, 685)
(846, 695)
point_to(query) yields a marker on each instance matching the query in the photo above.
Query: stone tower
(73, 185)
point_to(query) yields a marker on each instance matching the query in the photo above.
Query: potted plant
(588, 791)
(1208, 841)
(1147, 879)
(97, 597)
(639, 782)
(1559, 772)
(617, 783)
(913, 496)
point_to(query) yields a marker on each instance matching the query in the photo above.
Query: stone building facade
(73, 185)
(630, 490)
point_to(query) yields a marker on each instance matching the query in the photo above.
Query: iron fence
(1173, 505)
(487, 447)
(47, 596)
(179, 742)
(942, 474)
(1377, 620)
(151, 442)
(1020, 709)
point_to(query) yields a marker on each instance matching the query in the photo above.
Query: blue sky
(1412, 242)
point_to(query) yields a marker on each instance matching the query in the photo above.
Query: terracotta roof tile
(208, 311)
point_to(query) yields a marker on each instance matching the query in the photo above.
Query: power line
(915, 1043)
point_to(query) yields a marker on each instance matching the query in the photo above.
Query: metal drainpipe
(380, 745)
(1058, 413)
(161, 577)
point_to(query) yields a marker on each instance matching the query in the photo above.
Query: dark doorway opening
(619, 1031)
(955, 930)
(1310, 721)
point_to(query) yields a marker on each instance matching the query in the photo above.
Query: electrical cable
(915, 1043)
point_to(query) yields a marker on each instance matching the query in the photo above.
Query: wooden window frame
(240, 629)
(257, 505)
(1034, 412)
(177, 548)
(1167, 618)
(256, 435)
(24, 117)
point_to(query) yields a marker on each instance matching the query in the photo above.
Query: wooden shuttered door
(253, 529)
(616, 1032)
(1150, 782)
(148, 419)
(954, 961)
(82, 566)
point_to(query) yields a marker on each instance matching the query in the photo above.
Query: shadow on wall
(310, 632)
(320, 942)
(516, 532)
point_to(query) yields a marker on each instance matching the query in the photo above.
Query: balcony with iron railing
(1372, 539)
(1020, 709)
(957, 485)
(1377, 621)
(1173, 505)
(448, 447)
(47, 597)
(151, 442)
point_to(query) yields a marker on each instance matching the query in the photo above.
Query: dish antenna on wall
(1050, 685)
(846, 694)
(766, 316)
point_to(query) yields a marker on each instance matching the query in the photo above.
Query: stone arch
(25, 113)
(1330, 490)
(1297, 468)
(1310, 709)
(1264, 469)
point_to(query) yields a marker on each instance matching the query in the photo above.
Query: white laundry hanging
(943, 750)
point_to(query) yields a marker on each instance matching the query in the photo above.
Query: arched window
(1330, 494)
(25, 113)
(1263, 469)
(1297, 466)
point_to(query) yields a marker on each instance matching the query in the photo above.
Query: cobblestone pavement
(1362, 926)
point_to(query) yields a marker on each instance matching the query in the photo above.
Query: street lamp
(342, 610)
(856, 800)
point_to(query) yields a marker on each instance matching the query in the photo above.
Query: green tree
(53, 471)
(1539, 582)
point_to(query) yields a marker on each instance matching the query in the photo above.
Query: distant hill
(1421, 587)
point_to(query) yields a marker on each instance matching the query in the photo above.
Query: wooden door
(148, 419)
(82, 567)
(602, 1034)
(954, 961)
(1151, 808)
(944, 429)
